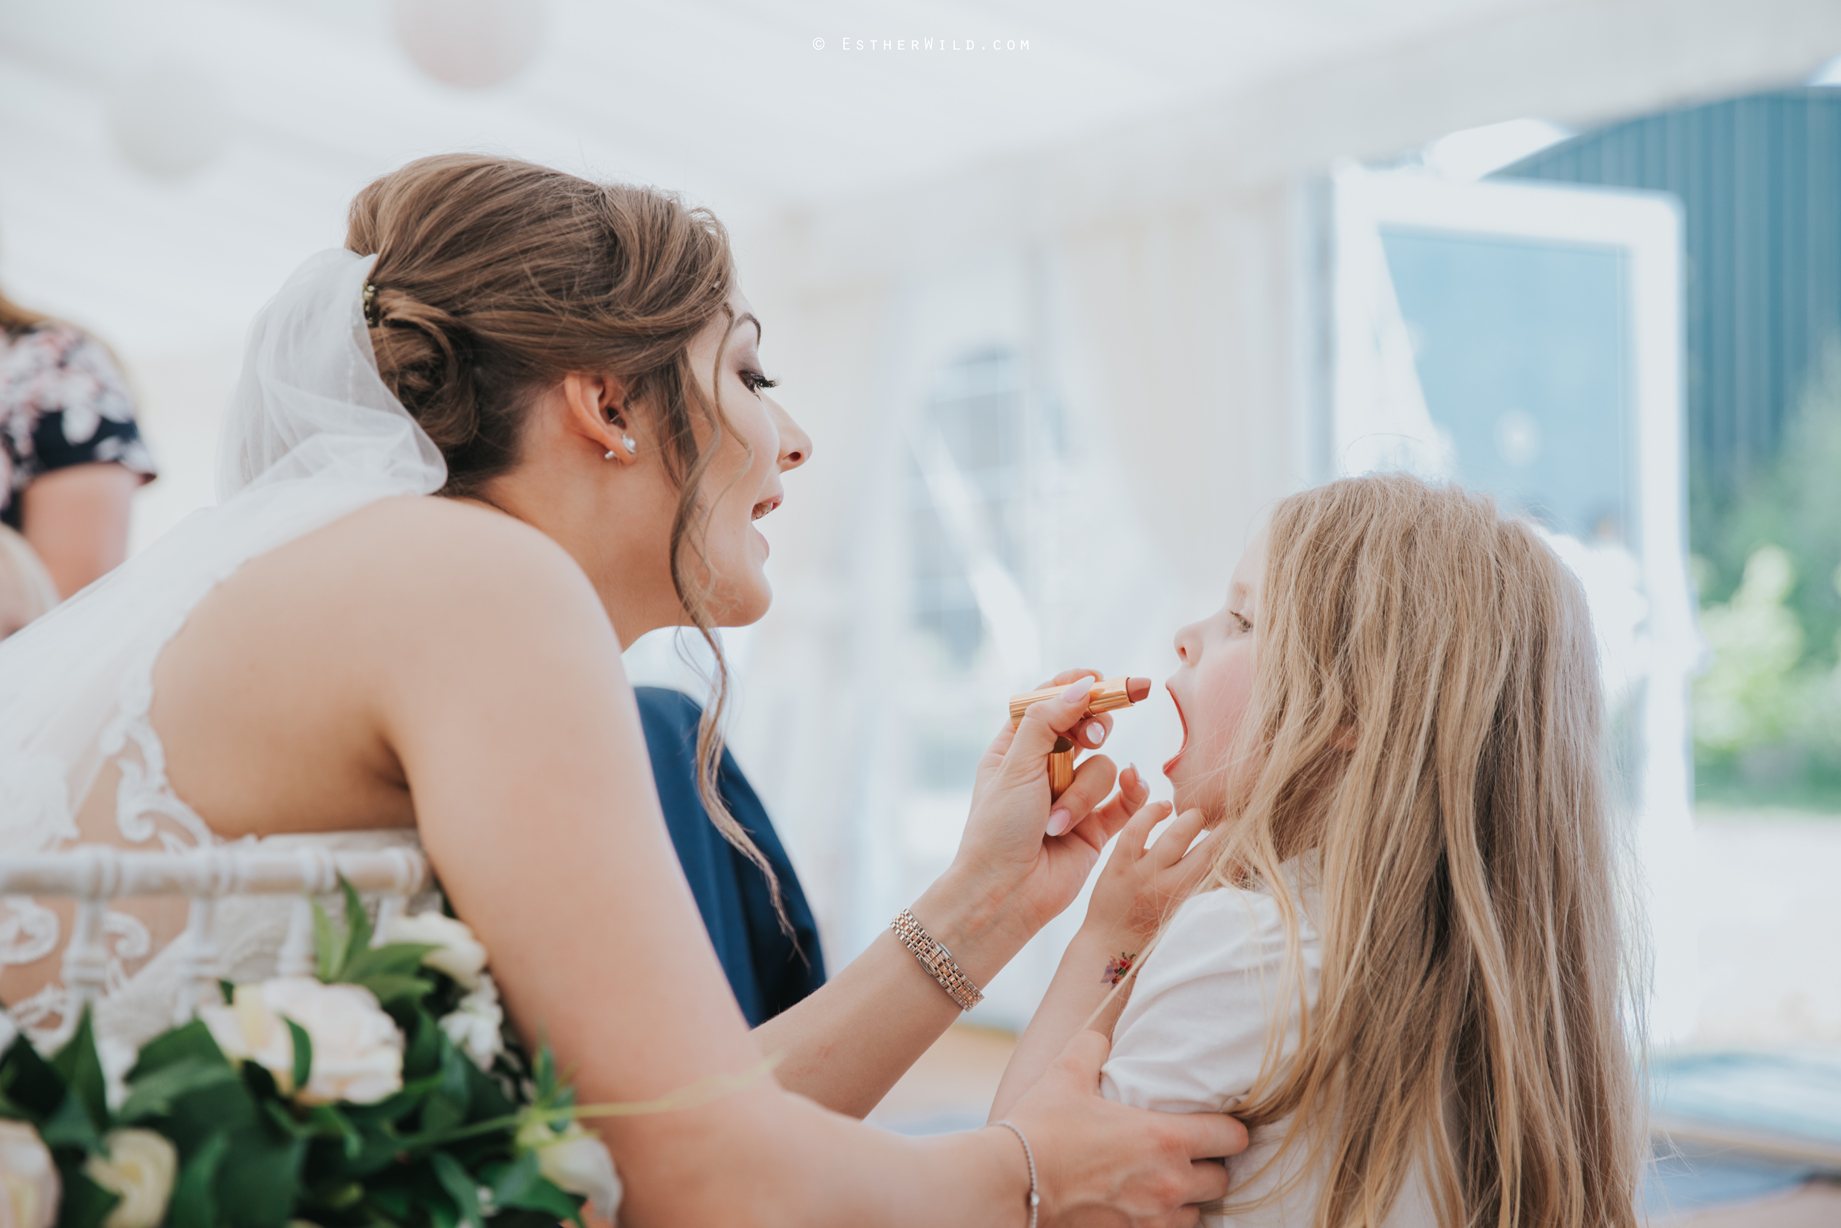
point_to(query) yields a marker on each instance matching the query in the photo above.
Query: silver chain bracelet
(1035, 1198)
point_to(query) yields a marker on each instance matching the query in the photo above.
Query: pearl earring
(626, 441)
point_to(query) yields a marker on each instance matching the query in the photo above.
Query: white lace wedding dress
(312, 434)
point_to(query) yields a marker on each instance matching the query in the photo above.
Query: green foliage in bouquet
(453, 1145)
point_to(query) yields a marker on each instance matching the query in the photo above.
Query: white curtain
(1166, 343)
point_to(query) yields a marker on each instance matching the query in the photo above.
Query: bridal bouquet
(380, 1092)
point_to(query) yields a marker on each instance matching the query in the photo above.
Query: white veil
(312, 433)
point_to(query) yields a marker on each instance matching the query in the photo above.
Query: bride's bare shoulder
(299, 688)
(429, 531)
(434, 568)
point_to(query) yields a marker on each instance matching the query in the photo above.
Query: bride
(329, 657)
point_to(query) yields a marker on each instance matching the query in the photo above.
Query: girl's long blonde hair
(1426, 714)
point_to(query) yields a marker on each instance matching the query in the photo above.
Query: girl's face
(1212, 685)
(743, 482)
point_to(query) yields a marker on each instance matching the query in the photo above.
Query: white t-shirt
(1193, 1039)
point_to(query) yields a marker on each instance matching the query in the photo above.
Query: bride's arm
(498, 687)
(847, 1044)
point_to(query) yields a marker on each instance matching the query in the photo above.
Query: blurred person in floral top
(71, 456)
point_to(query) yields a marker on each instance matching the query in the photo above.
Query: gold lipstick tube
(1106, 696)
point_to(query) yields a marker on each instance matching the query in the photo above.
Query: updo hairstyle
(496, 278)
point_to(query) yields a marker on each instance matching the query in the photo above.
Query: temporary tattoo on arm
(1117, 968)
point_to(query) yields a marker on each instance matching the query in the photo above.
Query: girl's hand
(1130, 899)
(1023, 859)
(1139, 885)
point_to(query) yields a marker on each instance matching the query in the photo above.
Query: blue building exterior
(1759, 179)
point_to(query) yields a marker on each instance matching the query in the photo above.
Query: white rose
(457, 952)
(357, 1049)
(577, 1161)
(29, 1186)
(140, 1166)
(246, 1030)
(476, 1025)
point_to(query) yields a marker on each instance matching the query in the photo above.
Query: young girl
(1399, 959)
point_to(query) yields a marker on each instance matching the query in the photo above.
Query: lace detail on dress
(36, 810)
(311, 435)
(46, 1015)
(29, 933)
(34, 801)
(142, 988)
(143, 792)
(143, 796)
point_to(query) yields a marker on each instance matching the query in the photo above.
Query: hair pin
(370, 305)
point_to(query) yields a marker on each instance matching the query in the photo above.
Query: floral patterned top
(63, 402)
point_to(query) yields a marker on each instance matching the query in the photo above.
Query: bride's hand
(1097, 1161)
(1024, 859)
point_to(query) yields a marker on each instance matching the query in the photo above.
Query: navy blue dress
(765, 969)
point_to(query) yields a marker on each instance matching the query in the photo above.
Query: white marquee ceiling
(727, 100)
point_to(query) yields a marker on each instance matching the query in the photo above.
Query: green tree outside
(1767, 710)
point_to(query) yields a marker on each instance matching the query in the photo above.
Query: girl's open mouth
(1171, 761)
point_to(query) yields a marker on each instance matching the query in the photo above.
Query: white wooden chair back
(95, 874)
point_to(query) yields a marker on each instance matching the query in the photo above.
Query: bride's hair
(1426, 714)
(495, 278)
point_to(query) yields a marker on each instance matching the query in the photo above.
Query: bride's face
(742, 484)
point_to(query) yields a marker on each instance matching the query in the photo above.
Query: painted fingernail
(1131, 770)
(1096, 733)
(1076, 690)
(1059, 822)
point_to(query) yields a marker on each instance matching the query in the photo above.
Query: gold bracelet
(937, 960)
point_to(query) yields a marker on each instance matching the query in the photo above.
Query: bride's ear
(595, 407)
